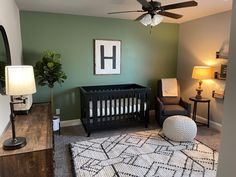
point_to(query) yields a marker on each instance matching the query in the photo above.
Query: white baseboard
(74, 122)
(68, 123)
(213, 124)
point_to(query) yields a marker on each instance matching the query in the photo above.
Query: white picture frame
(107, 57)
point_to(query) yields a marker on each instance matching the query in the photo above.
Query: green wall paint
(145, 57)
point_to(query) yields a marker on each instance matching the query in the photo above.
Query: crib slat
(119, 108)
(136, 104)
(115, 105)
(110, 108)
(142, 106)
(101, 113)
(105, 107)
(128, 104)
(124, 104)
(132, 106)
(147, 109)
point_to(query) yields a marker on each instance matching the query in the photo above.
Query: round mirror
(5, 57)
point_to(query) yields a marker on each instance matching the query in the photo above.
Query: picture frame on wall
(107, 57)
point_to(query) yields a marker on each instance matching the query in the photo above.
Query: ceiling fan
(153, 9)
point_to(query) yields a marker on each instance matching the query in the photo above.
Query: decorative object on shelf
(154, 11)
(223, 72)
(19, 81)
(107, 56)
(219, 94)
(48, 71)
(201, 73)
(223, 52)
(5, 57)
(220, 55)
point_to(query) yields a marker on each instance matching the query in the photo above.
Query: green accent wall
(147, 54)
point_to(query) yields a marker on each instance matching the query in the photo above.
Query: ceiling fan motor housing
(155, 5)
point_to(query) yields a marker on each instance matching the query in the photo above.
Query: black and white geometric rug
(139, 154)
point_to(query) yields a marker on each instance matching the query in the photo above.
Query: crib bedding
(116, 109)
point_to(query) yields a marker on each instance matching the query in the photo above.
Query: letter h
(103, 57)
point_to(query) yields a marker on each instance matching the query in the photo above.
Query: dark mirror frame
(7, 49)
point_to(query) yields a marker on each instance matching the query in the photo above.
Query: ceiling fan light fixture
(157, 19)
(146, 20)
(153, 21)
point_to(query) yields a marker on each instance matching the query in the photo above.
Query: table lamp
(201, 73)
(19, 81)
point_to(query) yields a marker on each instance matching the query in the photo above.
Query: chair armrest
(186, 105)
(159, 105)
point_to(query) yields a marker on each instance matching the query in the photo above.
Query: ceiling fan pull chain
(150, 30)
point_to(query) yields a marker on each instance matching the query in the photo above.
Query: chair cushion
(170, 100)
(174, 110)
(180, 128)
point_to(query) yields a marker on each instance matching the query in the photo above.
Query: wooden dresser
(36, 158)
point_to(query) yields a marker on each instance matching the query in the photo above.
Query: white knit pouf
(179, 128)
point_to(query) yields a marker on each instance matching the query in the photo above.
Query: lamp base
(16, 143)
(199, 91)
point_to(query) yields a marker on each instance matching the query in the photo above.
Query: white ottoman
(180, 128)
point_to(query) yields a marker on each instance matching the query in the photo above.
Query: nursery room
(117, 88)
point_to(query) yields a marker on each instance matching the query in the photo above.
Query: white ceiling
(100, 8)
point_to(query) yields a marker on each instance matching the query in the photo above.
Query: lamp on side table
(201, 73)
(19, 81)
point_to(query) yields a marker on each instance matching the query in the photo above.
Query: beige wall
(198, 42)
(9, 18)
(228, 141)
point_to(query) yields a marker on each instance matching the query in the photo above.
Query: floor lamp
(19, 81)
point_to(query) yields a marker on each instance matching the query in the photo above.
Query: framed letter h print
(107, 55)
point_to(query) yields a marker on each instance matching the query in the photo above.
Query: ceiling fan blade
(170, 14)
(145, 3)
(180, 5)
(140, 17)
(125, 11)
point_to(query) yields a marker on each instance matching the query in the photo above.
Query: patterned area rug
(145, 153)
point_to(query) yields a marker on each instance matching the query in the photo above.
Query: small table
(203, 100)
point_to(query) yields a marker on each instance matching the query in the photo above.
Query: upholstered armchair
(166, 106)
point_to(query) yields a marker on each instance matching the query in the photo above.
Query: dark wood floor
(62, 157)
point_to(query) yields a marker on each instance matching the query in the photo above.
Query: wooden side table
(196, 101)
(36, 158)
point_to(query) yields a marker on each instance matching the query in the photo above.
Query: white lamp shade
(19, 80)
(146, 20)
(156, 20)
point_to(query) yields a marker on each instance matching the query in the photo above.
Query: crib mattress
(127, 106)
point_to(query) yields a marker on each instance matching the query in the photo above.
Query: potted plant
(48, 71)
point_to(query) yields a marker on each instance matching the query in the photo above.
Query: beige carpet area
(62, 157)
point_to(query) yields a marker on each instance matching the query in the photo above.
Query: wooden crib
(108, 105)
